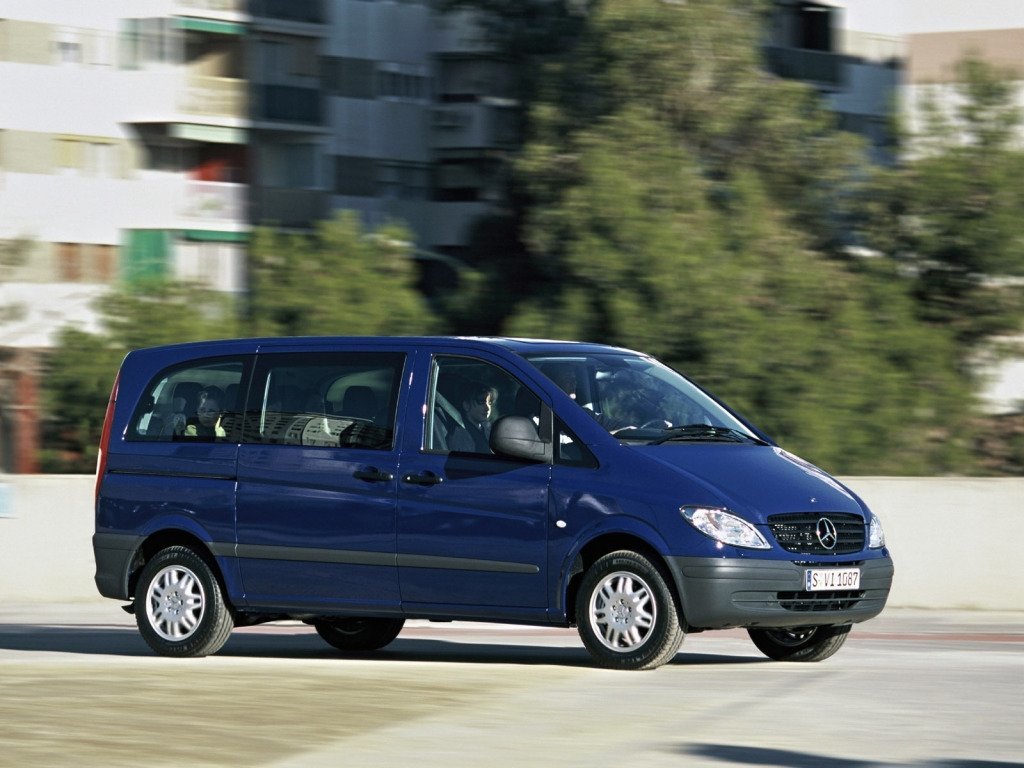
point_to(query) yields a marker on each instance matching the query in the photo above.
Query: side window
(198, 402)
(466, 397)
(325, 399)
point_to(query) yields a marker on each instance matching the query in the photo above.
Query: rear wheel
(626, 613)
(179, 605)
(799, 644)
(354, 635)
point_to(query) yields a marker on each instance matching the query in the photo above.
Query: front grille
(796, 532)
(810, 602)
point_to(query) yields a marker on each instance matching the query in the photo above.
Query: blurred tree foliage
(951, 212)
(81, 369)
(339, 281)
(679, 200)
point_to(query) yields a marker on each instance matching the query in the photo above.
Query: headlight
(876, 536)
(724, 527)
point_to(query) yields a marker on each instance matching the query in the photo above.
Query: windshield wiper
(704, 432)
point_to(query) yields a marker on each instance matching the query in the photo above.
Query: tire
(356, 635)
(179, 605)
(801, 643)
(626, 613)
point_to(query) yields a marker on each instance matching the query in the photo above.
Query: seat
(526, 404)
(184, 402)
(359, 402)
(445, 422)
(231, 398)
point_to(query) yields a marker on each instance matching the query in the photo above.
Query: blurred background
(814, 209)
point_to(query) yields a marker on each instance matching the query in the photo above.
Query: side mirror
(516, 436)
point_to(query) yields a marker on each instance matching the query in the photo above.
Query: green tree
(339, 281)
(683, 202)
(950, 212)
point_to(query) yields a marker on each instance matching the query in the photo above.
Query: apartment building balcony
(478, 125)
(210, 203)
(223, 98)
(815, 66)
(170, 201)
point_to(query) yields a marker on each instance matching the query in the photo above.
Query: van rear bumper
(721, 593)
(114, 553)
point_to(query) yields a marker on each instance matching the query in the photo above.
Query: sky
(908, 17)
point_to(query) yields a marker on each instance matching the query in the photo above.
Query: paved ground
(911, 688)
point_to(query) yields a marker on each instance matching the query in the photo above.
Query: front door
(472, 526)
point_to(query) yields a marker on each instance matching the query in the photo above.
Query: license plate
(829, 579)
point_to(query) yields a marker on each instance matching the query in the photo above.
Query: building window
(403, 181)
(291, 166)
(348, 77)
(87, 156)
(69, 262)
(146, 42)
(395, 81)
(104, 263)
(355, 176)
(69, 52)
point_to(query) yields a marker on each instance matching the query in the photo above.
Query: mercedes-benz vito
(355, 483)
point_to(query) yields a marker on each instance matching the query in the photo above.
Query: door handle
(372, 475)
(422, 478)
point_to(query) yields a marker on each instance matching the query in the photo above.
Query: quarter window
(200, 402)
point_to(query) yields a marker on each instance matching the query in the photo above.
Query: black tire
(800, 643)
(357, 635)
(626, 613)
(179, 605)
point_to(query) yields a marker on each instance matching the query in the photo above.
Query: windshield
(637, 398)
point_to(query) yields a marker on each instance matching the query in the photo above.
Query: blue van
(354, 483)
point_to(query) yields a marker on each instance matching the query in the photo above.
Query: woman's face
(479, 409)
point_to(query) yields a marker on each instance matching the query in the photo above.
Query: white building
(122, 139)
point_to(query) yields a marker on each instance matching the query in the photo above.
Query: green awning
(210, 25)
(146, 254)
(215, 236)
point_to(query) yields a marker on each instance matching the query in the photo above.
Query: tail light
(108, 422)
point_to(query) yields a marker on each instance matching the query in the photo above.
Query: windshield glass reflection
(637, 398)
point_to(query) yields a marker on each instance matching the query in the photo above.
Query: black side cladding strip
(172, 473)
(360, 557)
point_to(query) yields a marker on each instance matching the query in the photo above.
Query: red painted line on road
(952, 637)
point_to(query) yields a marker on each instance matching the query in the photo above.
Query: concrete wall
(956, 541)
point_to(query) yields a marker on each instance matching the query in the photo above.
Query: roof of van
(520, 346)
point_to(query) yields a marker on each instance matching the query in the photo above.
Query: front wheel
(179, 606)
(626, 613)
(799, 644)
(354, 635)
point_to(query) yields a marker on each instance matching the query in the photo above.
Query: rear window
(198, 401)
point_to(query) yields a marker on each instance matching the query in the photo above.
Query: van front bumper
(720, 593)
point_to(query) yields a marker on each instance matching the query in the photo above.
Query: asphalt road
(78, 687)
